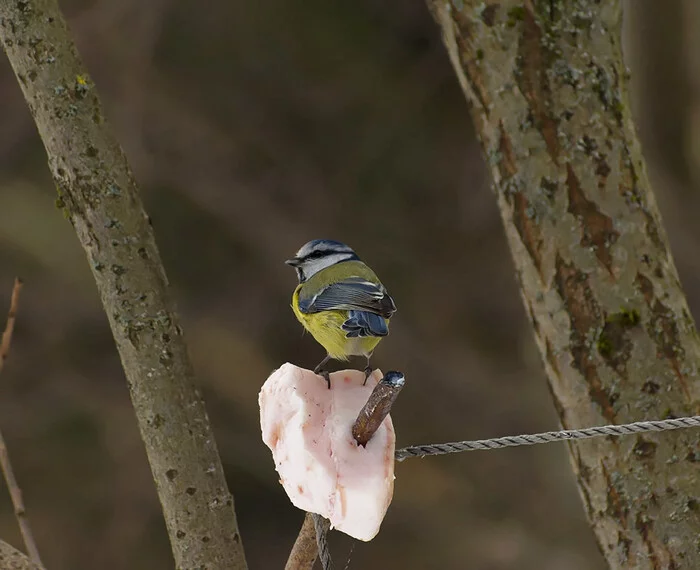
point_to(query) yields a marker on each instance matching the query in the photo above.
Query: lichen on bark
(12, 559)
(546, 85)
(98, 194)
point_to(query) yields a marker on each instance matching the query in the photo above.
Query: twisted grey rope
(322, 525)
(546, 437)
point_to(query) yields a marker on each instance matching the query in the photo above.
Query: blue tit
(340, 301)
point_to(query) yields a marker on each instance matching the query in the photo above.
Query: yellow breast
(326, 328)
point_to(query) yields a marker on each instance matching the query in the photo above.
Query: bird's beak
(293, 262)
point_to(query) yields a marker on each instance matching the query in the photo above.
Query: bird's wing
(351, 294)
(364, 323)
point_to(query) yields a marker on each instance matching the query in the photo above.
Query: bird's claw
(326, 376)
(368, 373)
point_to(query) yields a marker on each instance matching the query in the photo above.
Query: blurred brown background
(253, 127)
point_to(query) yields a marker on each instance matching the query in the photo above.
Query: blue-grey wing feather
(352, 294)
(362, 323)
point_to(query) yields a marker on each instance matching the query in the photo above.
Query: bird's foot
(368, 373)
(324, 373)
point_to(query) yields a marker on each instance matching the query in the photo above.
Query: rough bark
(546, 85)
(13, 559)
(305, 550)
(99, 196)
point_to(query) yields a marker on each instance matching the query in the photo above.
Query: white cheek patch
(313, 266)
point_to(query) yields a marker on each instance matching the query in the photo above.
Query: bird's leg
(322, 372)
(368, 370)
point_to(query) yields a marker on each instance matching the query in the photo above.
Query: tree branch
(547, 88)
(98, 194)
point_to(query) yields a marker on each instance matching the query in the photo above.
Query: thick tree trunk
(546, 85)
(98, 194)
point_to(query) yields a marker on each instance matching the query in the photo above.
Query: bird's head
(318, 254)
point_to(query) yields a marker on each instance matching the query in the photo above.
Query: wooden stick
(305, 551)
(5, 465)
(377, 407)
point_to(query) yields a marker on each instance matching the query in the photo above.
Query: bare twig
(10, 326)
(18, 504)
(13, 559)
(5, 465)
(377, 407)
(371, 416)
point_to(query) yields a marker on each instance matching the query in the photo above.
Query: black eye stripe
(313, 255)
(321, 253)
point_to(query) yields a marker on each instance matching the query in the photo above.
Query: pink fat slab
(309, 430)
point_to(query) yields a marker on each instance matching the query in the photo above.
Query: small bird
(340, 301)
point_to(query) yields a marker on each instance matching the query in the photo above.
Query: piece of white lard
(309, 430)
